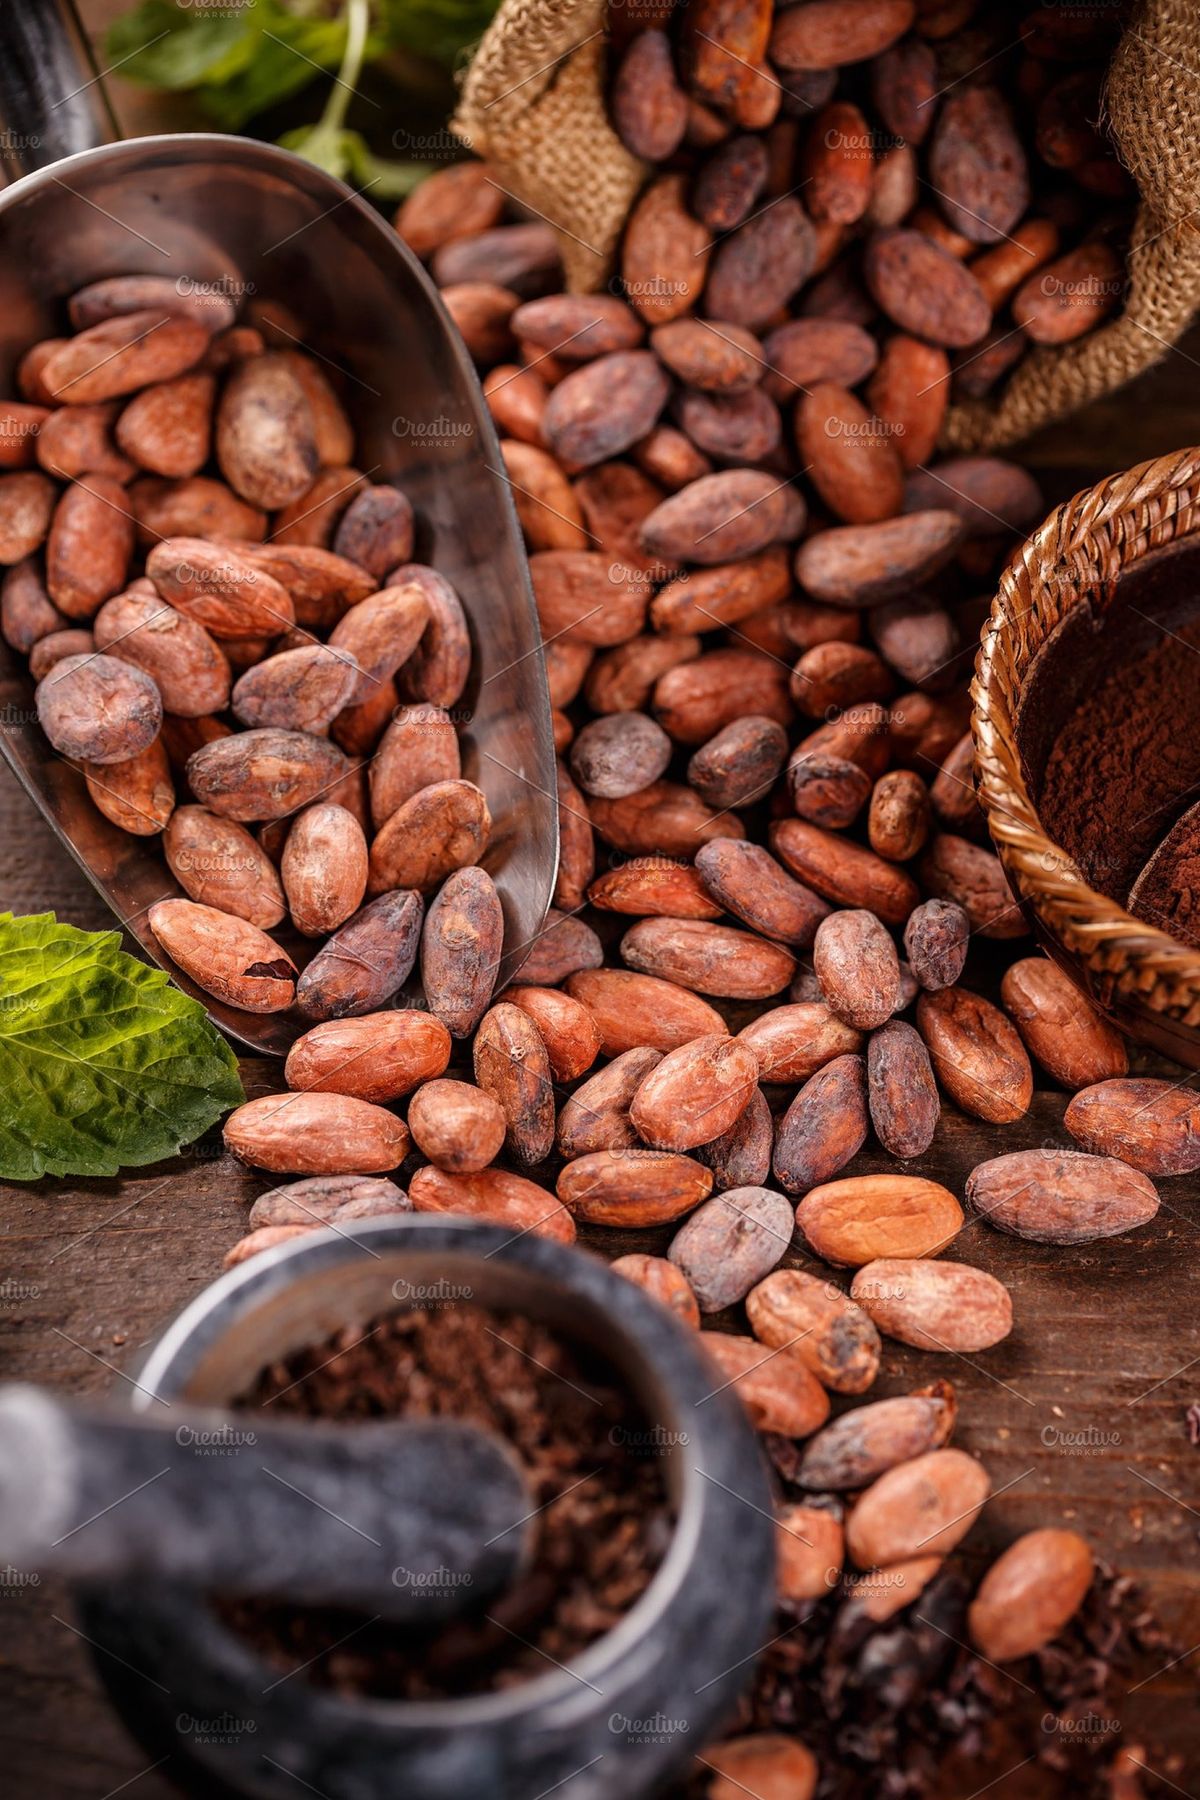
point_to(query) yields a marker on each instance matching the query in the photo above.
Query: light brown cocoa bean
(934, 1305)
(376, 530)
(495, 1197)
(724, 517)
(122, 353)
(512, 1065)
(698, 1090)
(116, 295)
(977, 165)
(1061, 1196)
(771, 1764)
(1059, 1028)
(219, 589)
(633, 1186)
(226, 956)
(664, 257)
(850, 456)
(825, 1125)
(383, 631)
(716, 358)
(56, 647)
(731, 1243)
(898, 821)
(1155, 1125)
(1029, 1594)
(864, 1217)
(458, 1127)
(266, 442)
(419, 748)
(98, 709)
(268, 1237)
(634, 1010)
(820, 1325)
(749, 883)
(793, 1042)
(809, 1552)
(777, 1388)
(864, 565)
(561, 948)
(909, 392)
(922, 1508)
(461, 948)
(189, 669)
(739, 764)
(697, 699)
(834, 675)
(316, 1134)
(953, 868)
(924, 290)
(623, 679)
(565, 1026)
(976, 1054)
(167, 428)
(90, 545)
(219, 864)
(442, 828)
(78, 440)
(857, 969)
(299, 690)
(324, 868)
(653, 887)
(1067, 297)
(936, 939)
(843, 871)
(26, 610)
(136, 794)
(196, 508)
(263, 774)
(802, 352)
(452, 202)
(902, 1093)
(377, 1057)
(605, 407)
(833, 32)
(710, 959)
(367, 961)
(482, 311)
(860, 1446)
(320, 1199)
(827, 790)
(665, 819)
(662, 1281)
(620, 754)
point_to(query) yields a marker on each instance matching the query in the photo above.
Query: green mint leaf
(103, 1063)
(165, 46)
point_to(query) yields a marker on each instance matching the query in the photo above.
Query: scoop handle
(414, 1521)
(52, 100)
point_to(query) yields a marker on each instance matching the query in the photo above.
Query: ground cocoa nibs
(1125, 761)
(905, 1711)
(587, 1454)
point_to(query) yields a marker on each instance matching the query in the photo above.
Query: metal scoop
(265, 224)
(411, 1521)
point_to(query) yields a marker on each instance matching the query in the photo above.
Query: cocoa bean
(812, 1318)
(934, 1305)
(862, 1218)
(825, 1125)
(1061, 1196)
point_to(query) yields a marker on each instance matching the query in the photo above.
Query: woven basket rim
(1099, 532)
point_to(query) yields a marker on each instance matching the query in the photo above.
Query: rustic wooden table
(1080, 1416)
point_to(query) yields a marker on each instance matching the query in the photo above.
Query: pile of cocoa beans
(220, 652)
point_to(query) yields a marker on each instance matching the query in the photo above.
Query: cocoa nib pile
(604, 1530)
(903, 1711)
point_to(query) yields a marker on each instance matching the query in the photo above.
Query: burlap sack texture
(533, 103)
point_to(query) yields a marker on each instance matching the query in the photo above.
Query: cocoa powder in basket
(604, 1522)
(1124, 763)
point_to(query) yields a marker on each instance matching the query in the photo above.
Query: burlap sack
(533, 104)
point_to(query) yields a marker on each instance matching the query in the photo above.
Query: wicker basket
(1147, 982)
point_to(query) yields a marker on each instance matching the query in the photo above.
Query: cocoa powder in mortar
(594, 1473)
